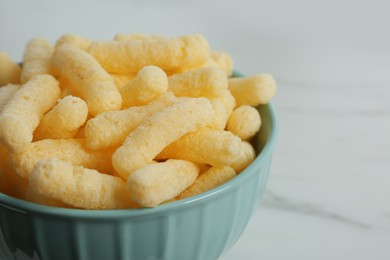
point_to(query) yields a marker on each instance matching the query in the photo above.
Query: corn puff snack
(6, 93)
(122, 80)
(245, 157)
(4, 185)
(224, 61)
(137, 36)
(38, 198)
(253, 90)
(9, 70)
(244, 122)
(206, 145)
(22, 114)
(158, 131)
(71, 150)
(88, 80)
(110, 129)
(208, 82)
(130, 56)
(135, 121)
(150, 83)
(212, 178)
(78, 186)
(155, 183)
(64, 120)
(76, 40)
(36, 59)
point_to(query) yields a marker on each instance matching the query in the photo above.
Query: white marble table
(329, 190)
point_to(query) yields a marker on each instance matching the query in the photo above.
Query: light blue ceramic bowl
(201, 227)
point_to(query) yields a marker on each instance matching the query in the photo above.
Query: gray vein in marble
(274, 201)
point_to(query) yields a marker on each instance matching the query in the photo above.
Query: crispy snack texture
(134, 121)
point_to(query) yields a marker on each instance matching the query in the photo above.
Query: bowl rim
(25, 207)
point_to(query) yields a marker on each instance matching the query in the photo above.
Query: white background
(329, 191)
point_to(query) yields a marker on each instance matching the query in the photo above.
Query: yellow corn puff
(75, 40)
(221, 115)
(36, 59)
(22, 114)
(4, 185)
(9, 70)
(158, 131)
(72, 150)
(246, 157)
(130, 56)
(64, 120)
(35, 197)
(78, 186)
(212, 178)
(228, 100)
(87, 79)
(17, 185)
(207, 82)
(6, 93)
(150, 83)
(110, 129)
(158, 182)
(206, 145)
(224, 61)
(244, 122)
(122, 80)
(253, 90)
(137, 36)
(66, 92)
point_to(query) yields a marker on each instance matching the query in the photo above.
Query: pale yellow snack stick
(72, 150)
(110, 129)
(244, 122)
(87, 79)
(223, 107)
(158, 182)
(122, 80)
(36, 59)
(228, 100)
(64, 120)
(212, 178)
(130, 56)
(9, 70)
(35, 197)
(221, 115)
(137, 36)
(66, 92)
(78, 186)
(24, 110)
(245, 158)
(150, 83)
(253, 90)
(75, 40)
(206, 145)
(18, 186)
(207, 82)
(4, 184)
(6, 93)
(158, 131)
(224, 61)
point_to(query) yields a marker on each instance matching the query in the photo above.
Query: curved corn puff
(158, 131)
(22, 114)
(158, 182)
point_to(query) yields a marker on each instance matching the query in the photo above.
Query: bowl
(201, 227)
